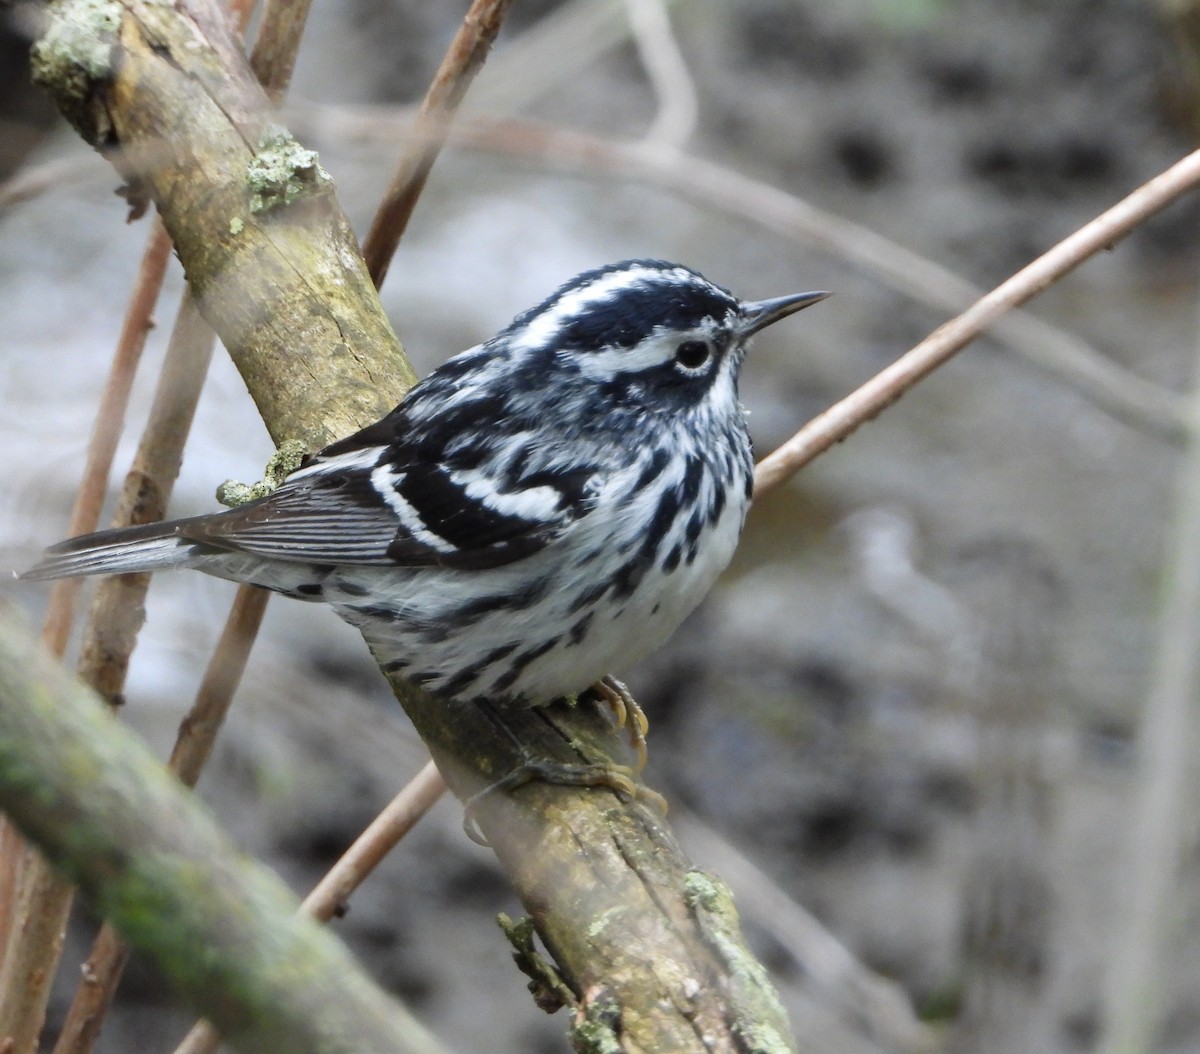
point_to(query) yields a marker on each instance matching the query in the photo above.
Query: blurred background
(906, 724)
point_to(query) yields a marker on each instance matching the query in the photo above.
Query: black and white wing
(425, 497)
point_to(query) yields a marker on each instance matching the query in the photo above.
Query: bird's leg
(626, 710)
(619, 778)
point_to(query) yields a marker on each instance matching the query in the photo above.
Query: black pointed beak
(758, 314)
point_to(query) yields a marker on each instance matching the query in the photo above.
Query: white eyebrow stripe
(600, 365)
(657, 350)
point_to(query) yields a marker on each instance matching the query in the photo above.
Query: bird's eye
(692, 354)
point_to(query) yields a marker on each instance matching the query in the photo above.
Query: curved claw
(626, 710)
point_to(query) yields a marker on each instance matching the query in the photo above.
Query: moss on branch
(224, 930)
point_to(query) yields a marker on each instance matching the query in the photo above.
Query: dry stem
(84, 516)
(887, 386)
(458, 69)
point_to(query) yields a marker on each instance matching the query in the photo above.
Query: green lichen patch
(74, 53)
(282, 172)
(281, 464)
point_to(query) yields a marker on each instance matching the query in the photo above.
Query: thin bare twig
(86, 511)
(668, 73)
(278, 43)
(887, 386)
(381, 836)
(110, 419)
(329, 896)
(99, 977)
(199, 728)
(462, 62)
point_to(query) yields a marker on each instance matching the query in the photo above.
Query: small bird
(542, 508)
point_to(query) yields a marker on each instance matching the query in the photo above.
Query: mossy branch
(223, 929)
(279, 277)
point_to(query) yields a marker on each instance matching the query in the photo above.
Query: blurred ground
(912, 699)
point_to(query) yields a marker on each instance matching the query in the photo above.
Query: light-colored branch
(458, 69)
(198, 731)
(118, 610)
(947, 340)
(673, 86)
(381, 836)
(99, 977)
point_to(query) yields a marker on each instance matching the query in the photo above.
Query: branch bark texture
(648, 947)
(166, 93)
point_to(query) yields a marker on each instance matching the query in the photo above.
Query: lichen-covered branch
(276, 270)
(168, 96)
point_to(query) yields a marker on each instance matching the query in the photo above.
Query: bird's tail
(152, 547)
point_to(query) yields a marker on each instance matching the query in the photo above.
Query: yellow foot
(626, 711)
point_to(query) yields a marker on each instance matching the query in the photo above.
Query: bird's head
(644, 335)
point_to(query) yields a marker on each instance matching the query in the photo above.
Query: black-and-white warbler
(542, 508)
